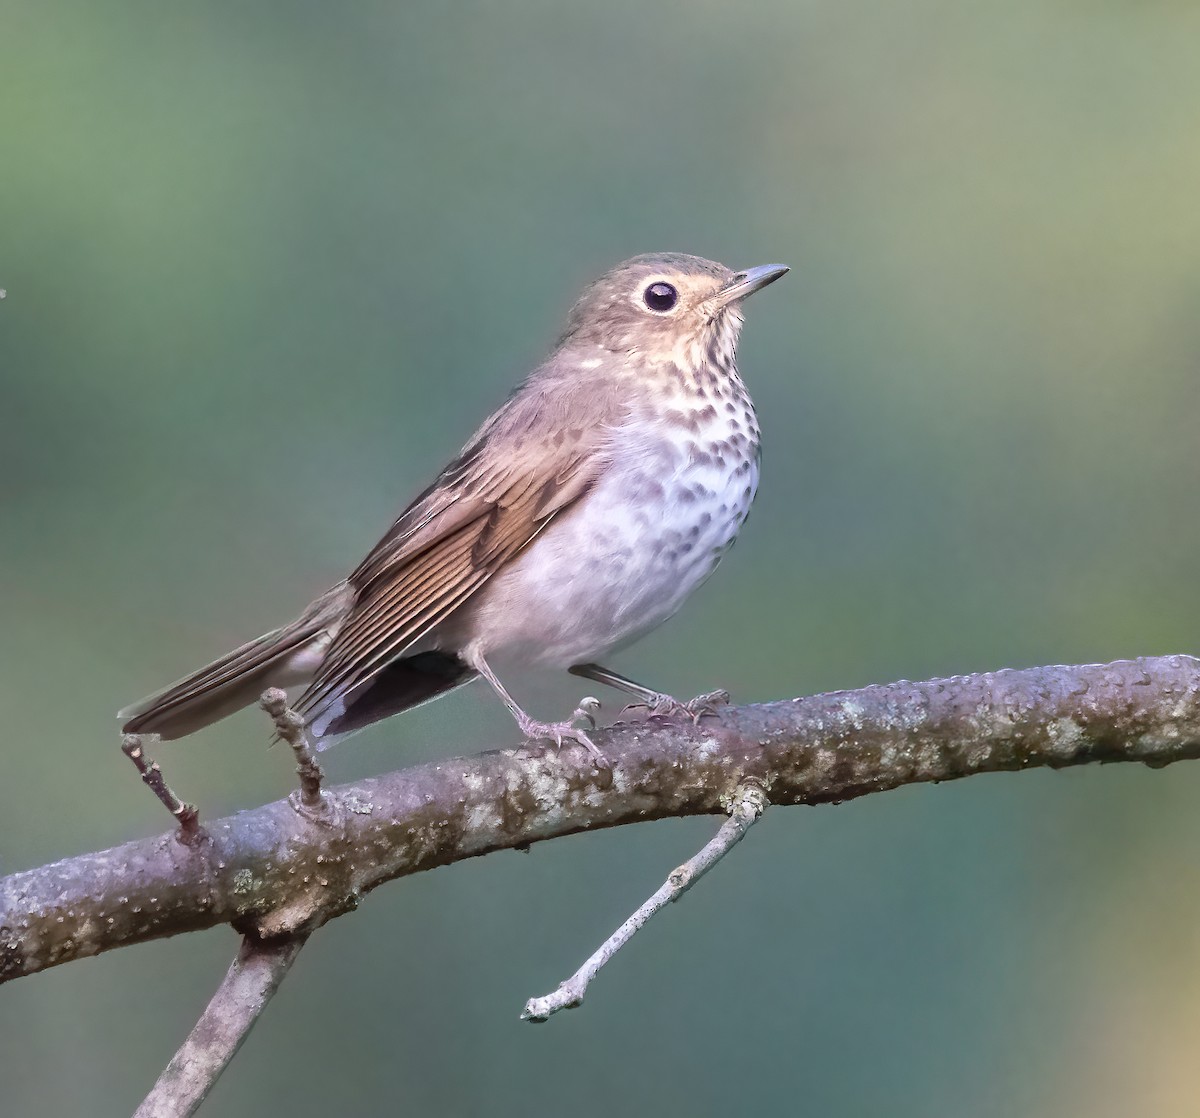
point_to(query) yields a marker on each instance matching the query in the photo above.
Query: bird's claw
(589, 707)
(665, 706)
(560, 732)
(707, 703)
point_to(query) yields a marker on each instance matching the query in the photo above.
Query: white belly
(626, 556)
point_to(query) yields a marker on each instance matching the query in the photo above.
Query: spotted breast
(683, 474)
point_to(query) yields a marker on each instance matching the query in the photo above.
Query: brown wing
(538, 455)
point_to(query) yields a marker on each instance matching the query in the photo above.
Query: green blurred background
(269, 264)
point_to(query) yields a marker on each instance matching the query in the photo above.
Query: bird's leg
(655, 702)
(532, 728)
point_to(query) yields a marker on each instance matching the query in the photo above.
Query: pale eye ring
(660, 296)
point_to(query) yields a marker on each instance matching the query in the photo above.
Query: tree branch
(251, 982)
(274, 871)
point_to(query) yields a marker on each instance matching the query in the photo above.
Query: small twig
(190, 831)
(290, 727)
(748, 803)
(252, 979)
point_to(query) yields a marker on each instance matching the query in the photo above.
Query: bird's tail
(280, 658)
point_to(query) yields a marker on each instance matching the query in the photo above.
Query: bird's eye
(660, 297)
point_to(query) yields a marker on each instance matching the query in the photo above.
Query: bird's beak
(748, 282)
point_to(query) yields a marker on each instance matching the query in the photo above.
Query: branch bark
(251, 982)
(275, 872)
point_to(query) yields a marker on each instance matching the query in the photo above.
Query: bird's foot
(560, 732)
(664, 706)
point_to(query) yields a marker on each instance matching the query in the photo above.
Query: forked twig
(190, 831)
(748, 803)
(290, 727)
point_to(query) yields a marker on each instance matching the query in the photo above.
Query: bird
(579, 516)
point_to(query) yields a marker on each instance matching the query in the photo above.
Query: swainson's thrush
(579, 517)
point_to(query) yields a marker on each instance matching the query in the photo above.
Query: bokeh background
(268, 265)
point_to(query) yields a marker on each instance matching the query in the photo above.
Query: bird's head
(667, 307)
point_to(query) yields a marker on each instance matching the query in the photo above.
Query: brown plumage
(593, 484)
